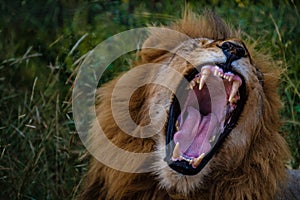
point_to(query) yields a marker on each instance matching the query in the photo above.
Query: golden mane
(192, 25)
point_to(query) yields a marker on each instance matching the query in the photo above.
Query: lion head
(215, 111)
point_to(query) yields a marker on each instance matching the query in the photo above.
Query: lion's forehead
(198, 51)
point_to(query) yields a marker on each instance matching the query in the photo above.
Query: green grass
(41, 155)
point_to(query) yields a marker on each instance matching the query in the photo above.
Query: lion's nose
(233, 51)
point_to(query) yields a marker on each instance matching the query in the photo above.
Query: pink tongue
(194, 134)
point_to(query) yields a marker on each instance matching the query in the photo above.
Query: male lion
(216, 98)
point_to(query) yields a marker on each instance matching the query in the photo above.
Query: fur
(251, 162)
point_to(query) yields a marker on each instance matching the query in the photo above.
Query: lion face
(205, 109)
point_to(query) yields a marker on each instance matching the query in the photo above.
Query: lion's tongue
(195, 133)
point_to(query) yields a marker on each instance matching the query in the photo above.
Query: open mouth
(202, 114)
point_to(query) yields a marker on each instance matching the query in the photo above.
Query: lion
(215, 100)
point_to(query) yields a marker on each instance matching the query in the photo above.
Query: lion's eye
(240, 52)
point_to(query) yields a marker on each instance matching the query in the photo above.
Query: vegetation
(43, 43)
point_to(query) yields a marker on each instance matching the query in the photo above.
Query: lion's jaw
(209, 54)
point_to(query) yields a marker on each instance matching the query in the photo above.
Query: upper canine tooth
(234, 89)
(176, 152)
(204, 75)
(197, 161)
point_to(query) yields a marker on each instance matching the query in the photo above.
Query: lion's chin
(171, 180)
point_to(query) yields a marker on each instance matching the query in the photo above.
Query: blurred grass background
(42, 44)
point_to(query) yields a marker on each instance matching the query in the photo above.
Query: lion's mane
(253, 169)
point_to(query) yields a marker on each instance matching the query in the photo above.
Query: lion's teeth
(215, 72)
(176, 152)
(204, 75)
(192, 84)
(212, 139)
(229, 76)
(234, 89)
(218, 71)
(196, 161)
(177, 125)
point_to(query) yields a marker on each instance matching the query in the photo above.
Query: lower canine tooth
(212, 139)
(177, 126)
(192, 84)
(197, 161)
(176, 152)
(234, 89)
